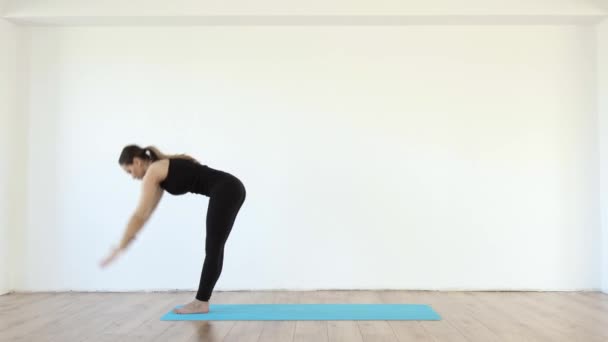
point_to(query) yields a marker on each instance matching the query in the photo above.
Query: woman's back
(184, 175)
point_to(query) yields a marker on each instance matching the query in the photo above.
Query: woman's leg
(224, 205)
(222, 212)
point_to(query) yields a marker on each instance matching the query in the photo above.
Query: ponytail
(149, 153)
(155, 154)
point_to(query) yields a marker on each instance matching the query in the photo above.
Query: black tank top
(187, 176)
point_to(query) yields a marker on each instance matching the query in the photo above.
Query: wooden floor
(466, 316)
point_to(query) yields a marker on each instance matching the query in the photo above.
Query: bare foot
(196, 306)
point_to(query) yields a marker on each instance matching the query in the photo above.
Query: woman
(179, 174)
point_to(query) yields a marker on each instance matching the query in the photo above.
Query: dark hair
(151, 153)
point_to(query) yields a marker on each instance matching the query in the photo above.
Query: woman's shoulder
(159, 169)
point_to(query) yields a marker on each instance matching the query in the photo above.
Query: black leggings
(225, 201)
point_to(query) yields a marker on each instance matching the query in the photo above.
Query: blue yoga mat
(309, 312)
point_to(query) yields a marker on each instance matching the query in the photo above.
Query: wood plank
(466, 316)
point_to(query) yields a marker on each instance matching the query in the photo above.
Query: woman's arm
(151, 193)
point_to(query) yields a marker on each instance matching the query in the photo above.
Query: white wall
(12, 150)
(602, 39)
(424, 157)
(36, 8)
(319, 12)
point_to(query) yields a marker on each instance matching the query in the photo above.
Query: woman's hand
(113, 255)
